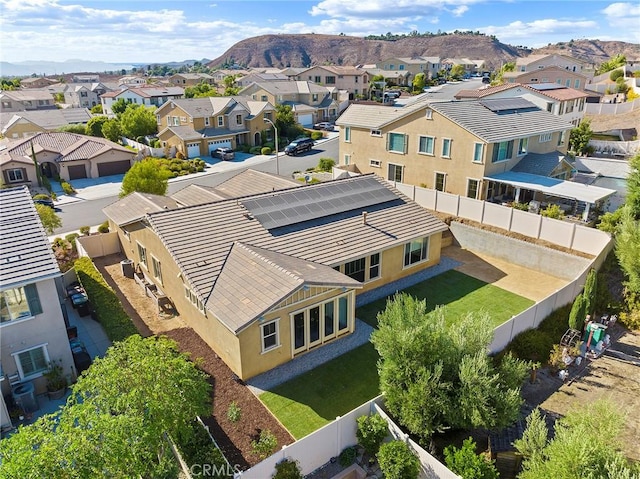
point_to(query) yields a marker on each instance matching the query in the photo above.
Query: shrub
(255, 150)
(615, 74)
(577, 314)
(397, 461)
(288, 469)
(556, 356)
(326, 164)
(553, 211)
(71, 237)
(67, 188)
(196, 447)
(316, 135)
(265, 150)
(466, 463)
(347, 456)
(371, 432)
(104, 227)
(234, 413)
(84, 230)
(40, 196)
(265, 445)
(520, 206)
(110, 313)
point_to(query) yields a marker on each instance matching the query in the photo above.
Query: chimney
(364, 217)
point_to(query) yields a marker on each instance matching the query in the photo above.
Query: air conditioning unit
(534, 207)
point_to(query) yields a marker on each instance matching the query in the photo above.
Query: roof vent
(364, 217)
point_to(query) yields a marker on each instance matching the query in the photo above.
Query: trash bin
(127, 268)
(83, 309)
(24, 395)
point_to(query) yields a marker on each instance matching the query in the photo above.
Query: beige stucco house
(27, 123)
(23, 100)
(351, 79)
(191, 79)
(267, 277)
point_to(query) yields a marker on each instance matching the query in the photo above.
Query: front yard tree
(50, 220)
(436, 376)
(111, 130)
(145, 176)
(457, 72)
(115, 422)
(138, 120)
(580, 136)
(118, 107)
(94, 126)
(285, 120)
(419, 82)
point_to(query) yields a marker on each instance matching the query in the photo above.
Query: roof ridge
(251, 250)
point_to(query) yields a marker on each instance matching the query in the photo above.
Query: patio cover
(552, 186)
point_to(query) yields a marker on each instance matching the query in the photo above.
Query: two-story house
(146, 96)
(27, 123)
(197, 126)
(552, 68)
(26, 100)
(84, 95)
(265, 278)
(309, 102)
(482, 149)
(191, 79)
(259, 77)
(37, 82)
(567, 103)
(32, 328)
(430, 66)
(351, 79)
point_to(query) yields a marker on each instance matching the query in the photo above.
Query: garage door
(77, 171)
(113, 168)
(193, 150)
(306, 120)
(213, 144)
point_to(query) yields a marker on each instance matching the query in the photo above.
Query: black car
(299, 146)
(44, 201)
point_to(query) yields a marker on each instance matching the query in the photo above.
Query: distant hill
(280, 51)
(21, 69)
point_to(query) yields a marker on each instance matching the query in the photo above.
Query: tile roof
(199, 238)
(338, 70)
(604, 166)
(540, 163)
(47, 119)
(482, 92)
(25, 252)
(252, 182)
(377, 116)
(196, 195)
(135, 206)
(292, 87)
(29, 94)
(550, 69)
(556, 92)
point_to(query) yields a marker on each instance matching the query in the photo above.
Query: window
(502, 151)
(314, 97)
(395, 173)
(206, 121)
(561, 138)
(238, 119)
(347, 134)
(576, 83)
(478, 152)
(176, 121)
(15, 175)
(263, 98)
(319, 323)
(32, 361)
(446, 147)
(157, 269)
(440, 181)
(330, 80)
(567, 82)
(142, 255)
(355, 269)
(19, 303)
(523, 145)
(270, 336)
(397, 142)
(375, 163)
(347, 159)
(545, 137)
(329, 319)
(343, 313)
(429, 114)
(400, 67)
(425, 145)
(158, 121)
(550, 107)
(561, 109)
(317, 79)
(416, 251)
(472, 188)
(376, 133)
(374, 266)
(221, 121)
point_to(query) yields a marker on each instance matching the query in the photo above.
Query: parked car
(46, 202)
(224, 153)
(324, 125)
(299, 146)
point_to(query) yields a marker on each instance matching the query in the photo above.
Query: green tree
(419, 81)
(632, 200)
(200, 90)
(97, 110)
(94, 126)
(579, 137)
(138, 121)
(118, 107)
(50, 220)
(611, 64)
(436, 376)
(286, 121)
(145, 176)
(534, 438)
(628, 253)
(229, 81)
(75, 128)
(114, 423)
(397, 461)
(467, 464)
(457, 72)
(589, 293)
(616, 74)
(111, 130)
(498, 77)
(577, 314)
(371, 432)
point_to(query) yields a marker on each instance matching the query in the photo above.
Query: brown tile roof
(482, 92)
(135, 206)
(196, 195)
(252, 182)
(561, 93)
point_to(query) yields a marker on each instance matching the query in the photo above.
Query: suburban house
(145, 95)
(534, 63)
(37, 82)
(197, 126)
(565, 102)
(551, 74)
(352, 79)
(267, 277)
(470, 66)
(259, 77)
(495, 150)
(131, 80)
(67, 155)
(85, 78)
(27, 123)
(220, 75)
(32, 327)
(84, 95)
(309, 102)
(430, 66)
(23, 100)
(191, 79)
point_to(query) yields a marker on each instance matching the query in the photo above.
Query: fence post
(338, 437)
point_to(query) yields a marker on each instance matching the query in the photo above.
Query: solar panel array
(545, 86)
(304, 204)
(503, 104)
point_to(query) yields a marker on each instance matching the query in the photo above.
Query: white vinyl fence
(615, 148)
(611, 108)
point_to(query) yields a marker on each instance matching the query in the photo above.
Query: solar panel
(546, 86)
(502, 104)
(295, 206)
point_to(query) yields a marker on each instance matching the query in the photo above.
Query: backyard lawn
(461, 294)
(314, 399)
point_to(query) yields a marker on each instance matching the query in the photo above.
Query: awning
(552, 186)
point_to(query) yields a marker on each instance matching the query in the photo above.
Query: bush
(71, 238)
(40, 196)
(371, 432)
(347, 456)
(615, 74)
(467, 464)
(553, 211)
(110, 313)
(556, 356)
(520, 206)
(104, 227)
(255, 150)
(265, 150)
(577, 314)
(196, 447)
(316, 135)
(67, 188)
(234, 414)
(397, 461)
(84, 230)
(265, 445)
(288, 469)
(326, 164)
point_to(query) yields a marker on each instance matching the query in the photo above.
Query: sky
(147, 31)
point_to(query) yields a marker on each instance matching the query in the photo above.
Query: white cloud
(459, 11)
(383, 9)
(540, 32)
(625, 18)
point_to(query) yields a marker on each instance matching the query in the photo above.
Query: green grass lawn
(461, 294)
(314, 399)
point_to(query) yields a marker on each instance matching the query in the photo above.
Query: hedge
(108, 307)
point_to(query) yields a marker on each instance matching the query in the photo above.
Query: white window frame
(156, 267)
(478, 183)
(428, 114)
(144, 260)
(422, 260)
(433, 145)
(37, 374)
(478, 158)
(405, 142)
(435, 180)
(375, 163)
(545, 137)
(220, 121)
(379, 266)
(449, 142)
(206, 121)
(347, 159)
(276, 333)
(396, 165)
(15, 178)
(377, 133)
(523, 149)
(238, 119)
(347, 134)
